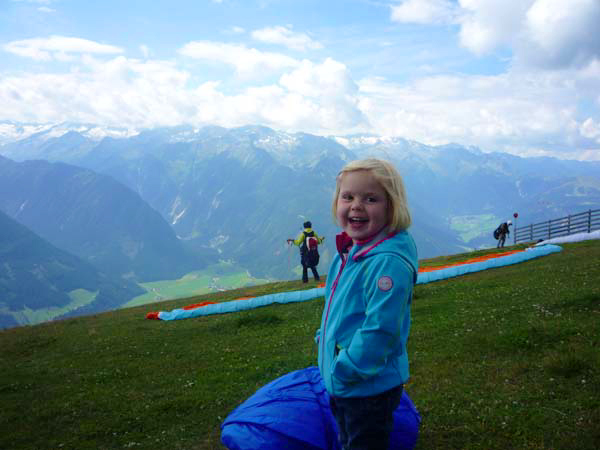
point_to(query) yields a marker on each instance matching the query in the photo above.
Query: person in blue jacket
(366, 317)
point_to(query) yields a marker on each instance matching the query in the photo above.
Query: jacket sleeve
(388, 289)
(298, 241)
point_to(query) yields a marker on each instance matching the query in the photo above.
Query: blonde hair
(391, 182)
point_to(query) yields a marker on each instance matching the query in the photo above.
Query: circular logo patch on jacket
(385, 283)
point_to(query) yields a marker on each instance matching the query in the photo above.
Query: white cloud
(312, 98)
(591, 129)
(10, 132)
(540, 33)
(423, 11)
(145, 50)
(286, 37)
(590, 155)
(329, 79)
(543, 33)
(116, 92)
(520, 112)
(488, 24)
(135, 94)
(247, 61)
(59, 48)
(562, 33)
(45, 9)
(331, 87)
(522, 115)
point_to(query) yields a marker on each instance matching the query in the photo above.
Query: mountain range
(35, 275)
(94, 217)
(156, 204)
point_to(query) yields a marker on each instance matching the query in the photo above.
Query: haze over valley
(172, 201)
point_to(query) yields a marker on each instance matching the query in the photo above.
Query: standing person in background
(308, 241)
(366, 318)
(503, 231)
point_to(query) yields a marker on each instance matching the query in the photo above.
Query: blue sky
(520, 76)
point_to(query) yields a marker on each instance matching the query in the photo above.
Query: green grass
(213, 279)
(471, 226)
(505, 358)
(79, 298)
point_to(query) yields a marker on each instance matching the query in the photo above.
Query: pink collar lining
(361, 253)
(370, 238)
(343, 242)
(366, 240)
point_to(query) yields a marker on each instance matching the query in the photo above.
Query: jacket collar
(344, 243)
(374, 241)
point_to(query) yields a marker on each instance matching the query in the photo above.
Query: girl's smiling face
(362, 205)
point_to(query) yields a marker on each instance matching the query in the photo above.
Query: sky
(516, 76)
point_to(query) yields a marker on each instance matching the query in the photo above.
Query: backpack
(312, 243)
(497, 232)
(310, 248)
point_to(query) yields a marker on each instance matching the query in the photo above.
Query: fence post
(573, 226)
(531, 232)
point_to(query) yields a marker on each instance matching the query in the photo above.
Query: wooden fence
(587, 221)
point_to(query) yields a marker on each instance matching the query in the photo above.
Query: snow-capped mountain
(242, 191)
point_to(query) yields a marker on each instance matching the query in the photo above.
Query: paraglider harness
(502, 229)
(309, 250)
(497, 232)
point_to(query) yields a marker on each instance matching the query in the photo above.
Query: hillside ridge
(504, 352)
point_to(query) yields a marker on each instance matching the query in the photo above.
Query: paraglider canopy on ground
(292, 413)
(426, 275)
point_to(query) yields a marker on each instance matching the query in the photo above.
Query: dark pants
(366, 423)
(501, 240)
(305, 273)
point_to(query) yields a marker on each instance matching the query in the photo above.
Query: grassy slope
(194, 283)
(79, 299)
(505, 358)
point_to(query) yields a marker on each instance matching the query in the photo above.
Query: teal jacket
(366, 319)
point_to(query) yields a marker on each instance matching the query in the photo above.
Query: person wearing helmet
(504, 231)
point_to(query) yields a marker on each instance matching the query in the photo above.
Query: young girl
(366, 319)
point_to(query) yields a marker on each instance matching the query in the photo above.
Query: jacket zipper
(333, 288)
